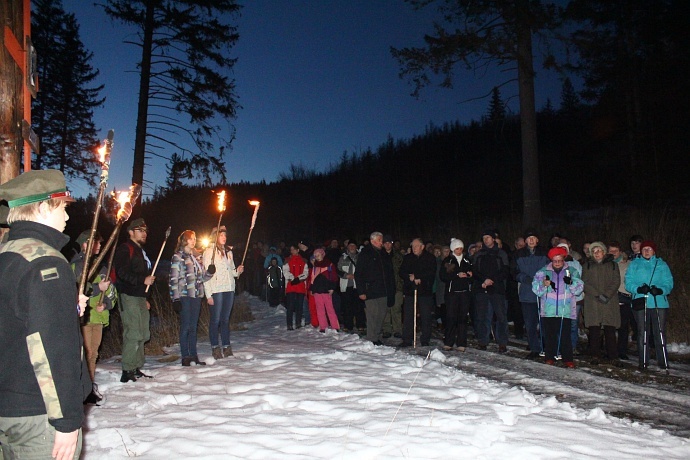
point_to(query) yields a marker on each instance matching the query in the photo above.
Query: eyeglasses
(141, 229)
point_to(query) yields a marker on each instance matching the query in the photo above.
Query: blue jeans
(487, 306)
(189, 319)
(574, 334)
(219, 316)
(530, 313)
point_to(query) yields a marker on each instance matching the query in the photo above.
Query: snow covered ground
(302, 394)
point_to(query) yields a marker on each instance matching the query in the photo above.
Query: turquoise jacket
(558, 299)
(652, 272)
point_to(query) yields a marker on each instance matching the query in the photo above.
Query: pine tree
(569, 98)
(497, 108)
(476, 35)
(62, 115)
(184, 71)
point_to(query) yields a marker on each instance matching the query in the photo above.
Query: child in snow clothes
(296, 272)
(649, 280)
(323, 280)
(187, 277)
(555, 285)
(275, 282)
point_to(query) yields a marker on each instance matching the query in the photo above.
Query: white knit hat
(456, 243)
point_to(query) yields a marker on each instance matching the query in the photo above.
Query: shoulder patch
(49, 274)
(31, 249)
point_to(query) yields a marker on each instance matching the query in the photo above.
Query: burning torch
(126, 201)
(104, 158)
(256, 205)
(221, 208)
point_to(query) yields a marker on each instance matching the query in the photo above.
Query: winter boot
(227, 351)
(128, 376)
(187, 361)
(217, 353)
(140, 374)
(195, 359)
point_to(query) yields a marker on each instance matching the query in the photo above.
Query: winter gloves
(644, 289)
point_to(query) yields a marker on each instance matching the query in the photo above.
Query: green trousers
(135, 331)
(29, 437)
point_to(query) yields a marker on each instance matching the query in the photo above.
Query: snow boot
(128, 376)
(227, 351)
(217, 353)
(195, 359)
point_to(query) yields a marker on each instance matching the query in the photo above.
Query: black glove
(568, 280)
(644, 289)
(655, 291)
(295, 281)
(211, 269)
(602, 298)
(177, 305)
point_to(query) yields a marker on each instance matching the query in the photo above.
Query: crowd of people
(379, 288)
(382, 288)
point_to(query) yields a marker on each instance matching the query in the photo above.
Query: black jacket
(449, 273)
(131, 269)
(423, 267)
(40, 337)
(490, 263)
(374, 274)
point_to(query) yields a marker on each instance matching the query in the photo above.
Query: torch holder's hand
(211, 269)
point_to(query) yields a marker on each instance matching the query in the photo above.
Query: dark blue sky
(314, 77)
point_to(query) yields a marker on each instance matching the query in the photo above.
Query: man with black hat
(491, 270)
(102, 299)
(524, 265)
(44, 378)
(133, 268)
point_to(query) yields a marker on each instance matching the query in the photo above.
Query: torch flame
(254, 202)
(122, 199)
(103, 153)
(221, 201)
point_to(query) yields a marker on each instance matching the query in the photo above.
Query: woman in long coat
(601, 276)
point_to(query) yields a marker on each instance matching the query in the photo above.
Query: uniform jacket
(42, 370)
(653, 272)
(601, 278)
(131, 269)
(109, 297)
(557, 300)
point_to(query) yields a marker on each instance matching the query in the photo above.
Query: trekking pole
(644, 342)
(560, 332)
(541, 329)
(414, 340)
(661, 335)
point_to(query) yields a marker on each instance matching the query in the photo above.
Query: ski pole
(560, 332)
(661, 335)
(644, 344)
(415, 319)
(541, 329)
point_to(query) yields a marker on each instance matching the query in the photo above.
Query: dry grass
(165, 324)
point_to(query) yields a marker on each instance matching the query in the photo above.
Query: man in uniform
(133, 268)
(43, 376)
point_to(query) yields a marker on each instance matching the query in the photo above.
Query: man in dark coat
(418, 272)
(490, 274)
(376, 285)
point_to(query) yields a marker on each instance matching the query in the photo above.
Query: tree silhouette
(184, 70)
(477, 35)
(62, 114)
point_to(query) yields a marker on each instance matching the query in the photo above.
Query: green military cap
(136, 223)
(34, 186)
(84, 237)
